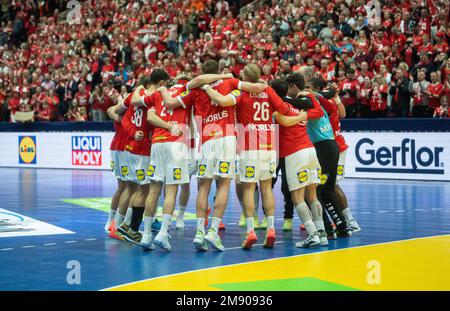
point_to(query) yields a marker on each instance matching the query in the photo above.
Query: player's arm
(114, 112)
(169, 101)
(251, 87)
(136, 99)
(290, 120)
(316, 111)
(340, 107)
(206, 79)
(216, 97)
(156, 121)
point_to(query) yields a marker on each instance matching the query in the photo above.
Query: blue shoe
(156, 225)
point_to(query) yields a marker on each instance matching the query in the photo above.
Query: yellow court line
(416, 264)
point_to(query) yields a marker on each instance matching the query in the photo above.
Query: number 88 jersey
(255, 114)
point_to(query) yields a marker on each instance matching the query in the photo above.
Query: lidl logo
(112, 165)
(340, 170)
(151, 171)
(236, 93)
(185, 93)
(140, 174)
(250, 172)
(302, 176)
(87, 150)
(224, 167)
(201, 170)
(323, 177)
(272, 168)
(27, 149)
(177, 173)
(124, 171)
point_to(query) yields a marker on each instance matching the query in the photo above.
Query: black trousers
(328, 155)
(288, 205)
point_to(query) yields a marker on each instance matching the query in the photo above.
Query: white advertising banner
(79, 150)
(415, 156)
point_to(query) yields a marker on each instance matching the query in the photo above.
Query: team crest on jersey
(236, 93)
(185, 93)
(250, 172)
(124, 171)
(340, 170)
(151, 170)
(302, 176)
(272, 167)
(201, 170)
(177, 173)
(140, 174)
(224, 167)
(112, 165)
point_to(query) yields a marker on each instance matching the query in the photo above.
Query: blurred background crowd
(389, 58)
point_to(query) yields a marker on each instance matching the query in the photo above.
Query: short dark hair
(296, 79)
(145, 81)
(159, 75)
(318, 83)
(210, 67)
(280, 87)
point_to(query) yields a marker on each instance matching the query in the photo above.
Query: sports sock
(317, 215)
(112, 214)
(118, 219)
(128, 216)
(250, 226)
(148, 224)
(201, 224)
(136, 218)
(310, 227)
(165, 223)
(181, 211)
(303, 212)
(347, 214)
(216, 223)
(270, 221)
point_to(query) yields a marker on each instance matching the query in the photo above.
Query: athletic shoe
(179, 223)
(256, 223)
(147, 242)
(133, 237)
(249, 240)
(343, 233)
(331, 235)
(214, 239)
(162, 240)
(208, 211)
(113, 233)
(222, 226)
(270, 238)
(242, 221)
(264, 223)
(353, 226)
(199, 241)
(287, 225)
(156, 225)
(323, 238)
(311, 241)
(302, 227)
(123, 228)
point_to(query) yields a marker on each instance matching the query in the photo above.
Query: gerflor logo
(405, 157)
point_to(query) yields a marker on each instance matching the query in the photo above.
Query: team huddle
(220, 128)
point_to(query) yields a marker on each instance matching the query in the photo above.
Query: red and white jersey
(178, 116)
(135, 119)
(293, 138)
(333, 115)
(255, 114)
(216, 121)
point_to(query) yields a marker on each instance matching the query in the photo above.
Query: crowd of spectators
(389, 58)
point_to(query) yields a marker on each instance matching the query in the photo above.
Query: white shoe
(353, 226)
(179, 223)
(147, 242)
(323, 238)
(311, 241)
(162, 240)
(214, 239)
(200, 242)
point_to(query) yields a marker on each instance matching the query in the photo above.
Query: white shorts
(256, 165)
(192, 166)
(341, 166)
(302, 169)
(134, 168)
(117, 157)
(218, 158)
(169, 163)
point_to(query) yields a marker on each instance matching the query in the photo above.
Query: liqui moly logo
(87, 150)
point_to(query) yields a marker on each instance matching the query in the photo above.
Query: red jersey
(120, 137)
(348, 91)
(255, 114)
(333, 114)
(217, 121)
(179, 115)
(293, 138)
(135, 119)
(435, 89)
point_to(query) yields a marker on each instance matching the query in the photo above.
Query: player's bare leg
(317, 213)
(248, 190)
(138, 206)
(343, 203)
(114, 204)
(204, 187)
(304, 213)
(123, 215)
(268, 202)
(183, 201)
(170, 197)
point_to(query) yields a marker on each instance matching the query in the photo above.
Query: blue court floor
(40, 234)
